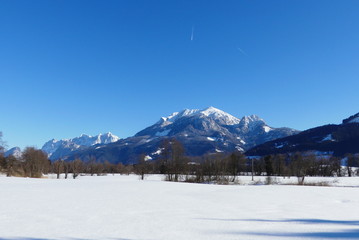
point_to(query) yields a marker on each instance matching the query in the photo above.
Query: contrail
(192, 35)
(243, 52)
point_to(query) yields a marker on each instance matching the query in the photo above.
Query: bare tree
(351, 159)
(279, 166)
(3, 164)
(58, 167)
(173, 158)
(91, 166)
(142, 167)
(302, 165)
(2, 158)
(233, 165)
(67, 167)
(76, 167)
(36, 162)
(11, 165)
(2, 145)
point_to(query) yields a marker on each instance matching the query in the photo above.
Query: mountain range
(57, 149)
(200, 131)
(207, 131)
(332, 139)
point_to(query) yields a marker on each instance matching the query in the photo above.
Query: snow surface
(163, 133)
(354, 120)
(329, 137)
(219, 114)
(123, 207)
(158, 152)
(280, 145)
(148, 157)
(212, 112)
(239, 148)
(267, 129)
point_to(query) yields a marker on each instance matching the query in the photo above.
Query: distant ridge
(56, 149)
(206, 131)
(328, 139)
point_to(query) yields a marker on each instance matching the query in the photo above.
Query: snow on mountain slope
(220, 116)
(338, 140)
(15, 151)
(352, 119)
(211, 112)
(201, 132)
(58, 148)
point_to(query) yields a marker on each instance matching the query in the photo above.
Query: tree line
(35, 163)
(176, 166)
(224, 168)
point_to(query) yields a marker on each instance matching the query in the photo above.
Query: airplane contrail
(192, 34)
(243, 52)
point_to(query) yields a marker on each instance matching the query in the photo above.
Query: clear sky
(72, 67)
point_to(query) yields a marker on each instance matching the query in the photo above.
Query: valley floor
(124, 207)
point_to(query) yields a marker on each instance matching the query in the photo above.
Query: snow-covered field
(123, 207)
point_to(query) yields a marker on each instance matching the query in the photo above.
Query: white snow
(267, 129)
(84, 140)
(147, 158)
(158, 152)
(354, 120)
(124, 207)
(223, 117)
(15, 151)
(239, 148)
(164, 121)
(241, 140)
(280, 145)
(329, 137)
(163, 133)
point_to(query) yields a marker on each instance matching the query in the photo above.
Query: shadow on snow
(28, 238)
(344, 234)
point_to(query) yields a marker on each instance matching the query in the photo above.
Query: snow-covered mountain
(214, 125)
(200, 131)
(15, 151)
(336, 139)
(59, 148)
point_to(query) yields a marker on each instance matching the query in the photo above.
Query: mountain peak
(211, 109)
(15, 151)
(212, 112)
(56, 146)
(84, 135)
(219, 115)
(251, 118)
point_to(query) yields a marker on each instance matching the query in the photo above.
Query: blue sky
(72, 67)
